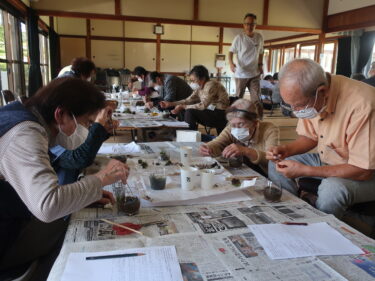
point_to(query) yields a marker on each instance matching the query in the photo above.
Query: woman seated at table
(244, 136)
(71, 155)
(142, 76)
(32, 202)
(206, 105)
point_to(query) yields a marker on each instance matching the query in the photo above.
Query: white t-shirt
(247, 50)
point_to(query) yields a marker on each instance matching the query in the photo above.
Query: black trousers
(37, 241)
(211, 118)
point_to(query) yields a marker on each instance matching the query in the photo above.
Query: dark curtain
(54, 49)
(35, 74)
(343, 57)
(365, 50)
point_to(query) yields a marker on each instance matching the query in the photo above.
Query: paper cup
(185, 153)
(207, 179)
(188, 178)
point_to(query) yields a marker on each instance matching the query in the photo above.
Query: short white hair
(308, 74)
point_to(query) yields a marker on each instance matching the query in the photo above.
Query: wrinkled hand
(178, 109)
(205, 150)
(234, 150)
(107, 197)
(149, 104)
(113, 172)
(277, 153)
(292, 169)
(165, 104)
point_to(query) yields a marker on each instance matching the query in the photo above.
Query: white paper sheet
(228, 197)
(175, 124)
(119, 148)
(158, 263)
(282, 241)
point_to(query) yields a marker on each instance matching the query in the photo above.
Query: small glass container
(272, 193)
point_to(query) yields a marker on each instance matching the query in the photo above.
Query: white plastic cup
(207, 179)
(185, 153)
(188, 178)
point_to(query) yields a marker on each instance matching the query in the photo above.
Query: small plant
(236, 182)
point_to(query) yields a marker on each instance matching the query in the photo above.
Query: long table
(212, 237)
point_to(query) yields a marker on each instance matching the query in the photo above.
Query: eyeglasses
(301, 107)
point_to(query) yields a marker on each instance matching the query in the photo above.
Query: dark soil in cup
(272, 194)
(235, 162)
(129, 205)
(157, 183)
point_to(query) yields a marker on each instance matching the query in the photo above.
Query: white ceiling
(338, 6)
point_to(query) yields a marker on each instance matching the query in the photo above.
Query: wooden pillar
(158, 52)
(266, 4)
(196, 10)
(88, 39)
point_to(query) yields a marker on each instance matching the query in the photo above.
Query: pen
(114, 256)
(294, 223)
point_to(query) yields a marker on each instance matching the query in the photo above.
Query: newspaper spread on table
(213, 241)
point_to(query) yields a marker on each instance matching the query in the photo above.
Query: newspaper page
(247, 260)
(197, 261)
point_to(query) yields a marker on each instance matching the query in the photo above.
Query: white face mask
(74, 140)
(308, 112)
(194, 86)
(242, 134)
(88, 79)
(140, 79)
(158, 88)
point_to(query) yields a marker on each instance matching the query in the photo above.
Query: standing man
(249, 49)
(336, 116)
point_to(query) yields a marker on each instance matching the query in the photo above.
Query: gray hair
(253, 110)
(308, 74)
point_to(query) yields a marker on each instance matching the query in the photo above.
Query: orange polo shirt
(345, 130)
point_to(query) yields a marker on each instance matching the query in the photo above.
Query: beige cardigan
(266, 136)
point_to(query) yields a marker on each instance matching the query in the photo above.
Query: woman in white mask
(245, 135)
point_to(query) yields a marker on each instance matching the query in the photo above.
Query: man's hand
(113, 172)
(104, 115)
(165, 104)
(149, 104)
(292, 169)
(233, 67)
(107, 197)
(178, 109)
(234, 150)
(277, 153)
(205, 150)
(260, 68)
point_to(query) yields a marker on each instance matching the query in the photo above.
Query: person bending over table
(143, 76)
(82, 68)
(244, 136)
(72, 155)
(32, 202)
(206, 105)
(336, 116)
(170, 88)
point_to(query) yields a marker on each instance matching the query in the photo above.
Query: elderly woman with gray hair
(245, 135)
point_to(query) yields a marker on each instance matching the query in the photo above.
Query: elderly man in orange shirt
(336, 116)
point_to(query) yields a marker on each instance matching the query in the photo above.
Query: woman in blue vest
(32, 202)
